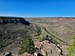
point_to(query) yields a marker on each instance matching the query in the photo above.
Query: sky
(37, 8)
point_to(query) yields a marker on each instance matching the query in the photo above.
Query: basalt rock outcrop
(6, 20)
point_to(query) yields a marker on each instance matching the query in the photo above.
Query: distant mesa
(6, 20)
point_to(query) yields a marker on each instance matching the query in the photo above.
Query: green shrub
(73, 37)
(27, 46)
(71, 49)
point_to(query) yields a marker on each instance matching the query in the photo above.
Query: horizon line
(9, 15)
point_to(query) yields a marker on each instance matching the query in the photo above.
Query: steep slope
(13, 31)
(10, 30)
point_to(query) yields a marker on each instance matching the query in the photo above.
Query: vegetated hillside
(43, 36)
(10, 29)
(13, 31)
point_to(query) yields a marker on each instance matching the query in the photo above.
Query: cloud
(11, 15)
